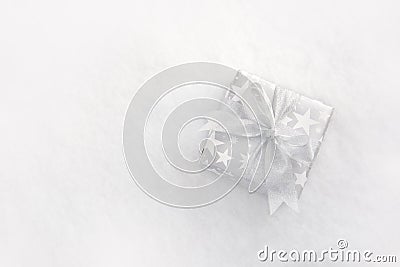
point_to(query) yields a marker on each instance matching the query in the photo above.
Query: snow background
(69, 70)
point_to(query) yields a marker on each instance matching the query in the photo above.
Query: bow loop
(280, 148)
(280, 145)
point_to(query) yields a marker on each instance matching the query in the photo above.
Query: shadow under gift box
(256, 115)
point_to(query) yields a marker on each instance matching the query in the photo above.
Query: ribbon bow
(279, 146)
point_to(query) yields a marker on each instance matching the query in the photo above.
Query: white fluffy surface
(69, 70)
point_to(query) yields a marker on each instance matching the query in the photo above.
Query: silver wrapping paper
(278, 133)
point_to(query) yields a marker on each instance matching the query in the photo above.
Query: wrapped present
(267, 135)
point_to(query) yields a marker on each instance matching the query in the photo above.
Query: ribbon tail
(281, 186)
(276, 199)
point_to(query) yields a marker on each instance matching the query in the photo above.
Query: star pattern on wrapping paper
(211, 143)
(210, 126)
(224, 157)
(304, 121)
(301, 178)
(215, 141)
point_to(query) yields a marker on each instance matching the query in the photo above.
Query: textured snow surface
(68, 71)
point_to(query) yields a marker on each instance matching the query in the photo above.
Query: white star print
(210, 126)
(224, 157)
(304, 121)
(301, 178)
(211, 143)
(215, 141)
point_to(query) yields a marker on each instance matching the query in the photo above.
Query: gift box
(267, 135)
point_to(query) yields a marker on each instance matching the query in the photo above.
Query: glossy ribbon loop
(285, 144)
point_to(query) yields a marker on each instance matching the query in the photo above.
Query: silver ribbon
(286, 145)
